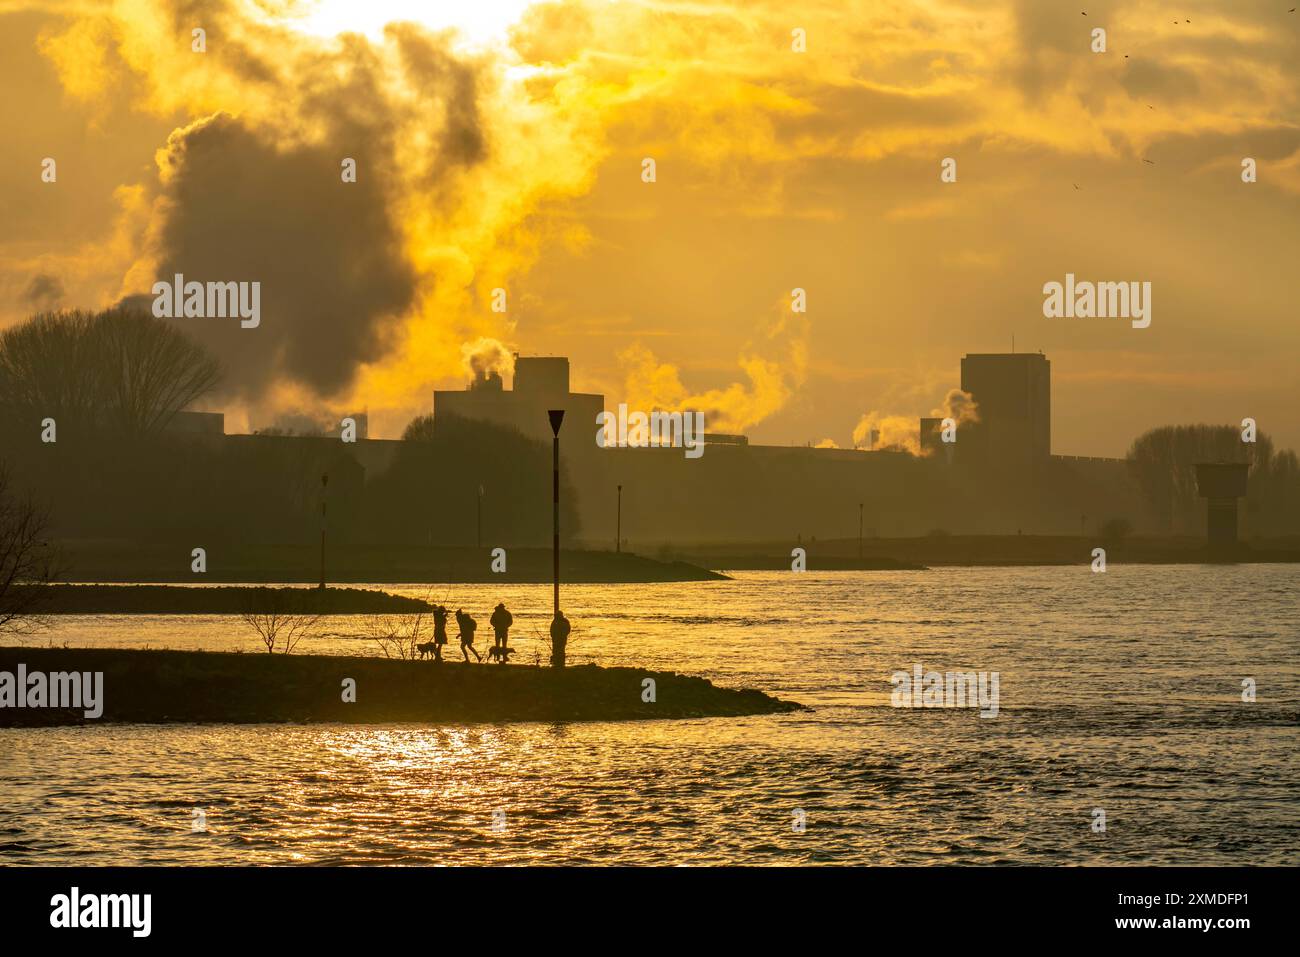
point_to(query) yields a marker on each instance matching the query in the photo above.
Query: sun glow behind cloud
(500, 145)
(477, 23)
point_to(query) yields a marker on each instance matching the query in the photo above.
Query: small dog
(425, 648)
(501, 654)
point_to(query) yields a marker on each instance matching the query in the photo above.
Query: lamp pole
(618, 525)
(557, 419)
(324, 481)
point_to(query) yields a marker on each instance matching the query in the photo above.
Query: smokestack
(484, 361)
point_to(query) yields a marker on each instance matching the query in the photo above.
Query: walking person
(439, 632)
(501, 621)
(467, 627)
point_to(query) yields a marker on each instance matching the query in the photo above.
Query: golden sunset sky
(501, 145)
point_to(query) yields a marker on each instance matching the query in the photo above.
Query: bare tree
(399, 635)
(121, 368)
(27, 560)
(278, 621)
(48, 368)
(152, 370)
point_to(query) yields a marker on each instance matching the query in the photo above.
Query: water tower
(1221, 484)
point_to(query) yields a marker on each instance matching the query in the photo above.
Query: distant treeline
(1162, 462)
(105, 386)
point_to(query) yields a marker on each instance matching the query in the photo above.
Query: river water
(1118, 692)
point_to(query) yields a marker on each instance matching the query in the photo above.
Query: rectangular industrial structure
(541, 383)
(1013, 396)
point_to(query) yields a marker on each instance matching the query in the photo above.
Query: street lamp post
(558, 640)
(324, 481)
(618, 525)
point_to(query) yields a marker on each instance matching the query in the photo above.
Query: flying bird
(1076, 185)
(1145, 160)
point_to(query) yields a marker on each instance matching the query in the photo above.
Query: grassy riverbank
(153, 687)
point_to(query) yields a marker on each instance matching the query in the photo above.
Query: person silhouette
(467, 628)
(439, 631)
(560, 629)
(501, 621)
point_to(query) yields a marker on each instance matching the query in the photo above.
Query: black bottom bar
(731, 905)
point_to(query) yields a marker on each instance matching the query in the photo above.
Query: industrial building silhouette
(1000, 474)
